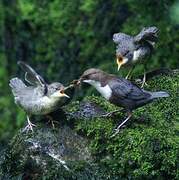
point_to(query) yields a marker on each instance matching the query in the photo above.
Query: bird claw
(126, 77)
(29, 127)
(144, 84)
(116, 130)
(50, 120)
(110, 114)
(121, 125)
(115, 133)
(106, 115)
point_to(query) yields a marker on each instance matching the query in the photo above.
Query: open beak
(119, 61)
(62, 94)
(118, 66)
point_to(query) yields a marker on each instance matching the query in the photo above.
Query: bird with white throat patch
(119, 91)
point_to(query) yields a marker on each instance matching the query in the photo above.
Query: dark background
(62, 38)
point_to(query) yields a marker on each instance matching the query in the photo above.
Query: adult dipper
(135, 49)
(39, 98)
(120, 91)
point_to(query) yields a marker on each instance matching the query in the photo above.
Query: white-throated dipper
(39, 98)
(135, 49)
(119, 91)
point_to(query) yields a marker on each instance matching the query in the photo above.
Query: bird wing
(148, 34)
(31, 94)
(125, 89)
(121, 37)
(32, 77)
(22, 93)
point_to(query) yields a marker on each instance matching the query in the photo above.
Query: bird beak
(119, 63)
(79, 81)
(62, 94)
(119, 66)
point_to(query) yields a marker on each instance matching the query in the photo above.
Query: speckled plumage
(143, 43)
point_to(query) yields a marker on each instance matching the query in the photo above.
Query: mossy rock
(82, 148)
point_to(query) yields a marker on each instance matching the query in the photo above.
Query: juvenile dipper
(135, 49)
(120, 91)
(39, 98)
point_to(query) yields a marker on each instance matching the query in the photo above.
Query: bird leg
(29, 126)
(50, 119)
(110, 113)
(144, 79)
(129, 73)
(120, 125)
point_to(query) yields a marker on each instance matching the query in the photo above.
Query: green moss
(147, 147)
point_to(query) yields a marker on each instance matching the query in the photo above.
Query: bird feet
(50, 120)
(116, 131)
(29, 127)
(110, 114)
(144, 80)
(144, 84)
(127, 77)
(120, 125)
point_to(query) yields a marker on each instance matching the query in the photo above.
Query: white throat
(104, 91)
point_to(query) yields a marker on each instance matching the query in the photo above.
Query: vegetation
(61, 39)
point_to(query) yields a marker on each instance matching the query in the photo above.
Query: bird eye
(85, 77)
(126, 53)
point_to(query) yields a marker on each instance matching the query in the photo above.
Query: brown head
(93, 74)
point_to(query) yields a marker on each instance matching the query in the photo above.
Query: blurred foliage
(61, 39)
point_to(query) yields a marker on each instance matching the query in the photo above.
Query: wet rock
(47, 152)
(88, 110)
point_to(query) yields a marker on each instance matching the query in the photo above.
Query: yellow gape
(119, 61)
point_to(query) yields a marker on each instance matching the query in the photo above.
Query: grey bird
(120, 91)
(39, 98)
(135, 49)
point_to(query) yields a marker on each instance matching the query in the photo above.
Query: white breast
(104, 91)
(44, 105)
(136, 55)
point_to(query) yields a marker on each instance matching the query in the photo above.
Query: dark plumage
(133, 49)
(120, 91)
(39, 98)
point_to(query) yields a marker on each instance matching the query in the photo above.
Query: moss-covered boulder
(82, 148)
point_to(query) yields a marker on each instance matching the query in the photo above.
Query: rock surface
(51, 153)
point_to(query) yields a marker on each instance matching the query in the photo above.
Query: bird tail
(159, 94)
(16, 84)
(149, 34)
